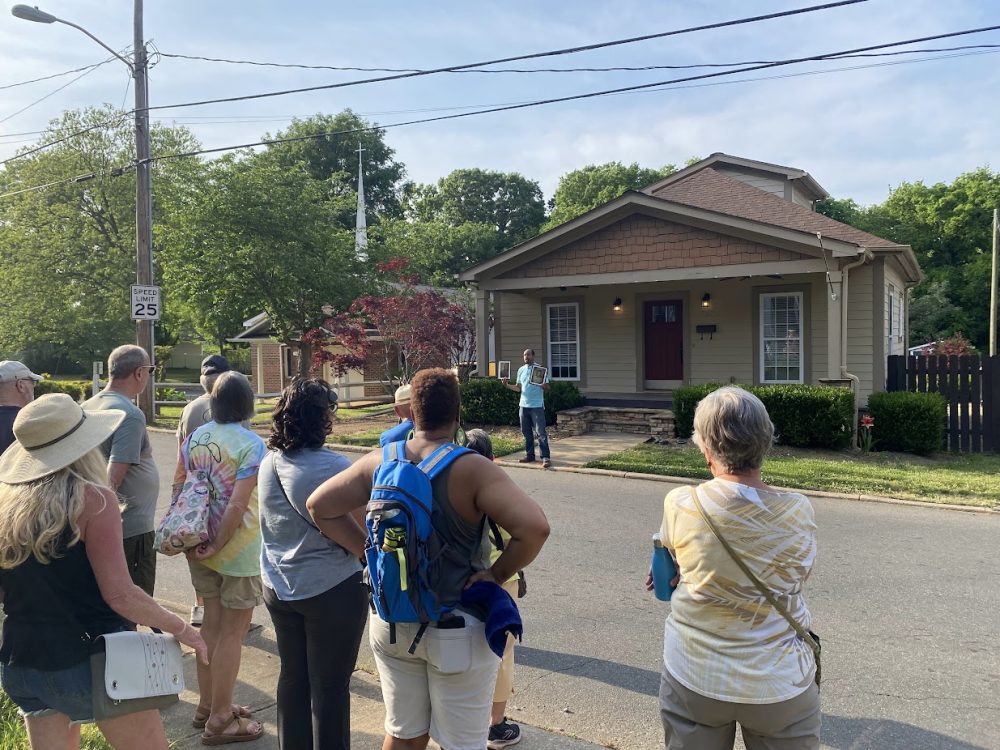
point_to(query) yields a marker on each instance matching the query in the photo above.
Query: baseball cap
(11, 370)
(214, 364)
(402, 394)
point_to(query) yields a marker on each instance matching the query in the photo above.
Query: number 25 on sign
(145, 302)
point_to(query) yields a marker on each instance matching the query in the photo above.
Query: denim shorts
(41, 693)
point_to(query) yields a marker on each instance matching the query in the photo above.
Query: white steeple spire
(361, 226)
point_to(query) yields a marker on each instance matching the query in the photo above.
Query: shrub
(170, 394)
(908, 422)
(561, 396)
(807, 416)
(686, 398)
(78, 390)
(487, 401)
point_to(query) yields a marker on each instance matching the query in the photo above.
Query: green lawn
(963, 479)
(502, 446)
(13, 736)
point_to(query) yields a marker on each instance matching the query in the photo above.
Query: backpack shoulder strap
(441, 458)
(394, 452)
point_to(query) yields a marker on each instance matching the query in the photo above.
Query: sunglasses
(148, 368)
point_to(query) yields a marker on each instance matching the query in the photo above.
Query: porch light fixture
(617, 304)
(706, 300)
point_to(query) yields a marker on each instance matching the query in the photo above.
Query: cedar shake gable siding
(644, 243)
(711, 190)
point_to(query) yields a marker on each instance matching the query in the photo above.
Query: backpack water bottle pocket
(393, 576)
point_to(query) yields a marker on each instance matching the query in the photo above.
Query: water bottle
(663, 570)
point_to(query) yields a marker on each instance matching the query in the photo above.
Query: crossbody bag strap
(764, 590)
(274, 468)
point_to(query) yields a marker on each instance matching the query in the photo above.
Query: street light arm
(27, 13)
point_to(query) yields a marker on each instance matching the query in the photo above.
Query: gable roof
(714, 191)
(805, 181)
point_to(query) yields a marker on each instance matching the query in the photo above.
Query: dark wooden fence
(971, 385)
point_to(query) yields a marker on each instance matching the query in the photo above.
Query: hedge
(908, 422)
(807, 416)
(487, 401)
(77, 389)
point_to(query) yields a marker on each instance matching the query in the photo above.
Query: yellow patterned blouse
(722, 639)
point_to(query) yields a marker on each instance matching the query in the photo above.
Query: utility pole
(993, 286)
(143, 205)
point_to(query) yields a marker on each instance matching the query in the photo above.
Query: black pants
(140, 557)
(318, 642)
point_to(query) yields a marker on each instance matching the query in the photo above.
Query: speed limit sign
(145, 302)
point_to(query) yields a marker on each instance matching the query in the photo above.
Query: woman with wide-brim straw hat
(62, 569)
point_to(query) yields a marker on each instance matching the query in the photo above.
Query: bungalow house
(273, 365)
(721, 272)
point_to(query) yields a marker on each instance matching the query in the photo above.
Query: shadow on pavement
(848, 733)
(635, 679)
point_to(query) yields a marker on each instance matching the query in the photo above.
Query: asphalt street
(906, 600)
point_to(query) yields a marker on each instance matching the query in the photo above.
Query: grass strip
(14, 737)
(962, 479)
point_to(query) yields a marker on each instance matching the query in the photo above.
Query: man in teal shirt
(532, 409)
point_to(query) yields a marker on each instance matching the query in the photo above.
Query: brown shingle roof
(714, 191)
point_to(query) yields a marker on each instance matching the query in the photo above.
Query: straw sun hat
(52, 432)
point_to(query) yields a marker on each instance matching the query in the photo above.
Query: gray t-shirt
(195, 414)
(296, 561)
(130, 445)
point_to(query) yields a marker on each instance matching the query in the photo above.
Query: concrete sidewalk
(577, 450)
(256, 688)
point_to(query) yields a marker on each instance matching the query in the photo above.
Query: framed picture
(538, 375)
(503, 370)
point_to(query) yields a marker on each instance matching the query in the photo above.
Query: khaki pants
(693, 722)
(505, 675)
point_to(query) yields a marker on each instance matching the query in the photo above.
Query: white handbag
(136, 672)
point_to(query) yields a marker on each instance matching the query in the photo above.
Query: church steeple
(361, 226)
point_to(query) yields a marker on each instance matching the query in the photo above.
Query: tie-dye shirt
(722, 639)
(228, 453)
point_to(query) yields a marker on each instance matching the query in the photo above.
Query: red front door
(664, 337)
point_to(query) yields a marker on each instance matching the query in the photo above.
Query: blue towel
(502, 615)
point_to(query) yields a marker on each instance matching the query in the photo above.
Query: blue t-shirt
(296, 561)
(532, 396)
(401, 431)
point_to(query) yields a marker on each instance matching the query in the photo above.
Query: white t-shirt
(722, 639)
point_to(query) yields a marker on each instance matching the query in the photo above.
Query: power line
(535, 55)
(574, 97)
(88, 71)
(114, 121)
(611, 69)
(49, 77)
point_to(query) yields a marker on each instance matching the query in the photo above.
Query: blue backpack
(403, 549)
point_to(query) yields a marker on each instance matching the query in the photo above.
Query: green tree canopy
(67, 253)
(587, 188)
(335, 158)
(263, 237)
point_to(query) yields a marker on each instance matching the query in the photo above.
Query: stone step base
(635, 420)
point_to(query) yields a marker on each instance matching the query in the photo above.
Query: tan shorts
(233, 592)
(505, 676)
(443, 689)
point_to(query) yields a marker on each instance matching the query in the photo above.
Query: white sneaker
(197, 615)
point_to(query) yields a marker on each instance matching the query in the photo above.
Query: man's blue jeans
(532, 421)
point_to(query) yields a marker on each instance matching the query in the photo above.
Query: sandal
(202, 713)
(242, 733)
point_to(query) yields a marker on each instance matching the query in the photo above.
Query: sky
(858, 132)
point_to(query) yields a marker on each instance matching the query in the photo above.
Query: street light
(143, 187)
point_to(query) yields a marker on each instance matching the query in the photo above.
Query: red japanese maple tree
(405, 329)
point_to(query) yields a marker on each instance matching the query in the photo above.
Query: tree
(335, 158)
(509, 203)
(584, 189)
(405, 330)
(263, 237)
(436, 251)
(67, 253)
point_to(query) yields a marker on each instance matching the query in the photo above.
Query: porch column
(834, 317)
(483, 332)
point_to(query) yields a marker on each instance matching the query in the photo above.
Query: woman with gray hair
(728, 654)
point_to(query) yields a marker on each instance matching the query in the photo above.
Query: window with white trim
(564, 340)
(781, 352)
